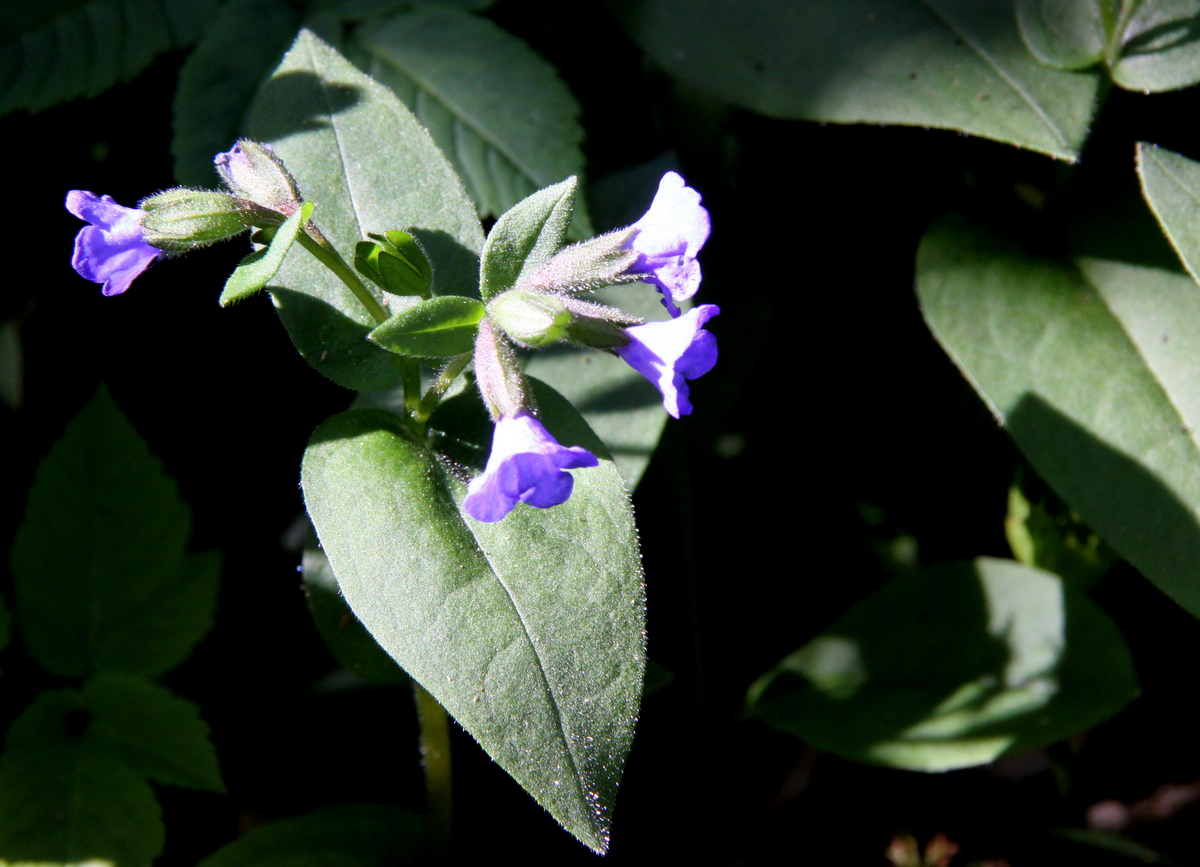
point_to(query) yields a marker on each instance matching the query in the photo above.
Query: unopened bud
(498, 374)
(253, 172)
(181, 219)
(530, 318)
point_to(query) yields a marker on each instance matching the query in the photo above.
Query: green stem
(435, 758)
(445, 379)
(316, 243)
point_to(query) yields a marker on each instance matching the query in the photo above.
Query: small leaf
(342, 632)
(528, 631)
(53, 52)
(1171, 185)
(100, 572)
(438, 328)
(1093, 368)
(355, 149)
(955, 64)
(496, 108)
(348, 835)
(256, 270)
(394, 261)
(525, 237)
(953, 667)
(1068, 34)
(1159, 50)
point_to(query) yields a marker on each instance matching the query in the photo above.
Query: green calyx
(182, 219)
(395, 262)
(530, 318)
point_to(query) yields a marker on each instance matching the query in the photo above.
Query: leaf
(528, 631)
(395, 262)
(55, 51)
(955, 64)
(352, 646)
(358, 152)
(496, 108)
(1069, 34)
(348, 835)
(953, 667)
(1092, 367)
(101, 576)
(618, 403)
(438, 328)
(1171, 186)
(1056, 541)
(525, 237)
(1160, 47)
(256, 270)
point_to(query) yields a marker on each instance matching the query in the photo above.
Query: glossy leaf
(525, 237)
(1069, 34)
(219, 78)
(348, 835)
(1093, 368)
(497, 109)
(358, 152)
(528, 631)
(956, 64)
(1159, 48)
(953, 667)
(1171, 185)
(102, 579)
(438, 328)
(255, 271)
(53, 52)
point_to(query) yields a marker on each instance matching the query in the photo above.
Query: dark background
(831, 402)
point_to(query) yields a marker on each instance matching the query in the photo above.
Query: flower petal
(668, 353)
(112, 250)
(668, 238)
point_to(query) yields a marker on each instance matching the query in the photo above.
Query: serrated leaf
(1068, 34)
(528, 631)
(256, 270)
(218, 81)
(526, 236)
(1159, 50)
(101, 576)
(1171, 186)
(52, 52)
(953, 667)
(497, 109)
(348, 835)
(440, 327)
(955, 64)
(358, 152)
(345, 636)
(1093, 368)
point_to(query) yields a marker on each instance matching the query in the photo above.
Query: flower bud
(181, 219)
(498, 374)
(253, 172)
(530, 318)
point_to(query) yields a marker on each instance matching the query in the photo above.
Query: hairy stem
(316, 243)
(435, 758)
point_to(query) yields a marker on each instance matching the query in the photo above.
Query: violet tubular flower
(112, 250)
(527, 465)
(668, 238)
(669, 353)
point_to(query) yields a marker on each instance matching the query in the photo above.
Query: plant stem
(445, 379)
(435, 758)
(316, 243)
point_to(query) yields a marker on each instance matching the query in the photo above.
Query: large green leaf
(957, 64)
(102, 579)
(497, 109)
(369, 165)
(348, 835)
(528, 631)
(526, 236)
(1069, 34)
(953, 667)
(1159, 46)
(1094, 368)
(1171, 185)
(59, 49)
(73, 777)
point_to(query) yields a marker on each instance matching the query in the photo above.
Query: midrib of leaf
(460, 116)
(337, 137)
(1004, 75)
(576, 776)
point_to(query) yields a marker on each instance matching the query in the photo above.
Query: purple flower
(112, 249)
(667, 353)
(526, 466)
(668, 238)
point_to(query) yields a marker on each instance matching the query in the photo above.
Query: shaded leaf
(497, 109)
(256, 270)
(355, 149)
(956, 64)
(1160, 46)
(953, 667)
(348, 835)
(51, 52)
(101, 576)
(526, 236)
(1171, 186)
(1092, 367)
(1055, 540)
(528, 631)
(437, 328)
(1068, 34)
